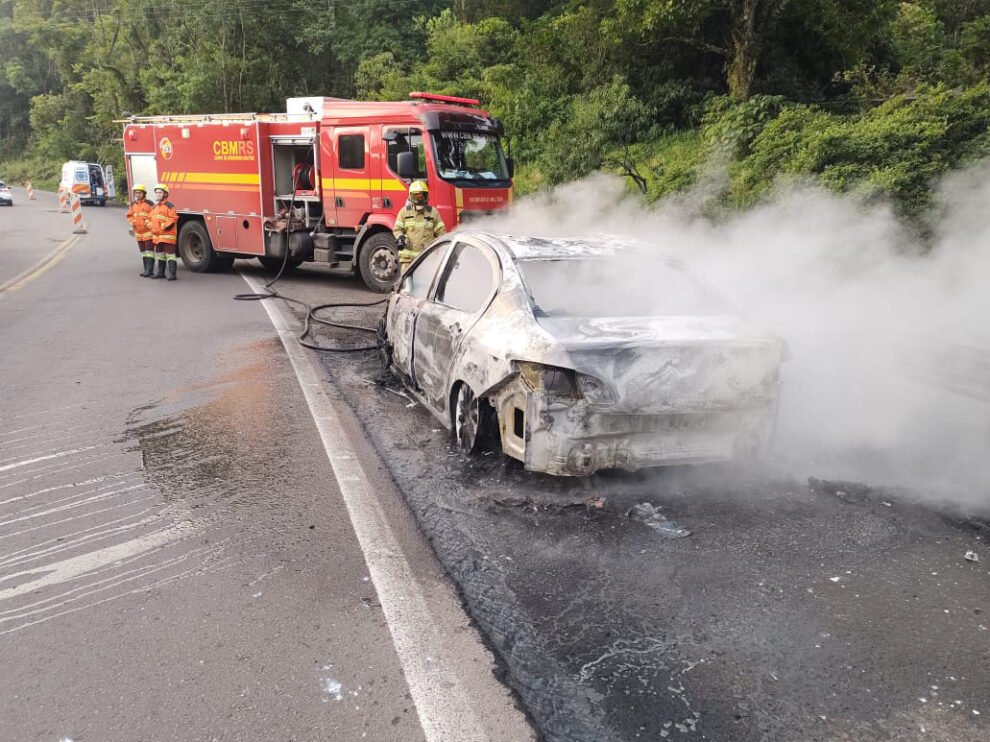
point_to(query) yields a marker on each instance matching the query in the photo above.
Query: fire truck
(322, 182)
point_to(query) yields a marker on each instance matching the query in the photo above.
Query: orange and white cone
(63, 200)
(78, 225)
(30, 191)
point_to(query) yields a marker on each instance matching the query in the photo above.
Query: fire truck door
(352, 176)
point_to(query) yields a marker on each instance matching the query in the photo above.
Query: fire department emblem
(165, 147)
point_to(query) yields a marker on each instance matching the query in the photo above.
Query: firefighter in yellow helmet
(139, 216)
(416, 225)
(165, 230)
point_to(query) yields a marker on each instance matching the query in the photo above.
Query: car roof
(557, 248)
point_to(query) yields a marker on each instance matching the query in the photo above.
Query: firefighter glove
(402, 242)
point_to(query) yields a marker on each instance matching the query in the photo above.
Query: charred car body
(579, 355)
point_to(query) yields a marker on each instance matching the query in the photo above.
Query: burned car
(578, 355)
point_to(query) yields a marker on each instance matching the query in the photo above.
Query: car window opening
(468, 280)
(626, 286)
(418, 280)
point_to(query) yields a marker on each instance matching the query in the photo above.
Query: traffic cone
(78, 225)
(30, 191)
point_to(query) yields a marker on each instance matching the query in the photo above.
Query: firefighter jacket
(139, 216)
(420, 227)
(164, 222)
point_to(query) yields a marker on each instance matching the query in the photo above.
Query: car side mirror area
(405, 164)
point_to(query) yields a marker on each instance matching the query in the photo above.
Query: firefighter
(416, 225)
(164, 228)
(139, 216)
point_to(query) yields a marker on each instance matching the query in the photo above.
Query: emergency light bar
(445, 98)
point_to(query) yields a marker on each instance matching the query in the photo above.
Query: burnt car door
(468, 282)
(415, 287)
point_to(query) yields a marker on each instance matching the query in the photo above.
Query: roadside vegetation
(874, 97)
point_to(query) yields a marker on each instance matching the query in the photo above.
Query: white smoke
(889, 382)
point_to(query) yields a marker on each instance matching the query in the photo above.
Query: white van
(93, 183)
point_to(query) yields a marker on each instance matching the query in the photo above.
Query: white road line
(77, 503)
(444, 709)
(89, 514)
(58, 455)
(70, 569)
(84, 483)
(58, 544)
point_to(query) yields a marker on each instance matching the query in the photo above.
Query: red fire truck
(321, 182)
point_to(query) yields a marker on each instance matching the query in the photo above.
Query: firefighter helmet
(419, 193)
(161, 187)
(139, 187)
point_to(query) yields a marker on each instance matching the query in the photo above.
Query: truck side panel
(211, 169)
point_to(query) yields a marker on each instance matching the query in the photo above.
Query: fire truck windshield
(470, 158)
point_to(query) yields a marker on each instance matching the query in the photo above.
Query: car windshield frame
(588, 300)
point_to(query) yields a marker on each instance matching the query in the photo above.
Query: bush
(898, 148)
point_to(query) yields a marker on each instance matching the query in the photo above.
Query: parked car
(6, 197)
(579, 355)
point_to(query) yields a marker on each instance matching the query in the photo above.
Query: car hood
(588, 333)
(662, 364)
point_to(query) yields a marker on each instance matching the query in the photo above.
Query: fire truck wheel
(379, 262)
(196, 248)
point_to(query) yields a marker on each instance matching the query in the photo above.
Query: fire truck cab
(322, 182)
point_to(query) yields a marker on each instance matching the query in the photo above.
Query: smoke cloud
(889, 383)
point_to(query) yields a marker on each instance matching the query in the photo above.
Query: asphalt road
(179, 557)
(796, 609)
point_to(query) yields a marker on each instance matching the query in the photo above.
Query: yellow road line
(38, 268)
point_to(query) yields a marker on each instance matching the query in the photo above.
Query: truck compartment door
(142, 168)
(226, 239)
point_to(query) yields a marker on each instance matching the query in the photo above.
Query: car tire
(274, 265)
(379, 262)
(475, 424)
(196, 248)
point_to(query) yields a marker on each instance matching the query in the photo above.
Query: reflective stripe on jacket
(139, 216)
(164, 222)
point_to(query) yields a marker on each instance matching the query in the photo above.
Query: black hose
(271, 293)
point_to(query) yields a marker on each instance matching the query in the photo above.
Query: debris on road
(651, 517)
(972, 556)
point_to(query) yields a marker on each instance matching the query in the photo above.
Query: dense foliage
(868, 95)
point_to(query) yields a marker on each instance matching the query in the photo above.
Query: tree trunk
(746, 43)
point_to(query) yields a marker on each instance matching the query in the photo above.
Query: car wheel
(379, 262)
(475, 422)
(273, 264)
(196, 248)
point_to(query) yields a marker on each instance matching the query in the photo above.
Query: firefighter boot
(170, 267)
(149, 267)
(159, 269)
